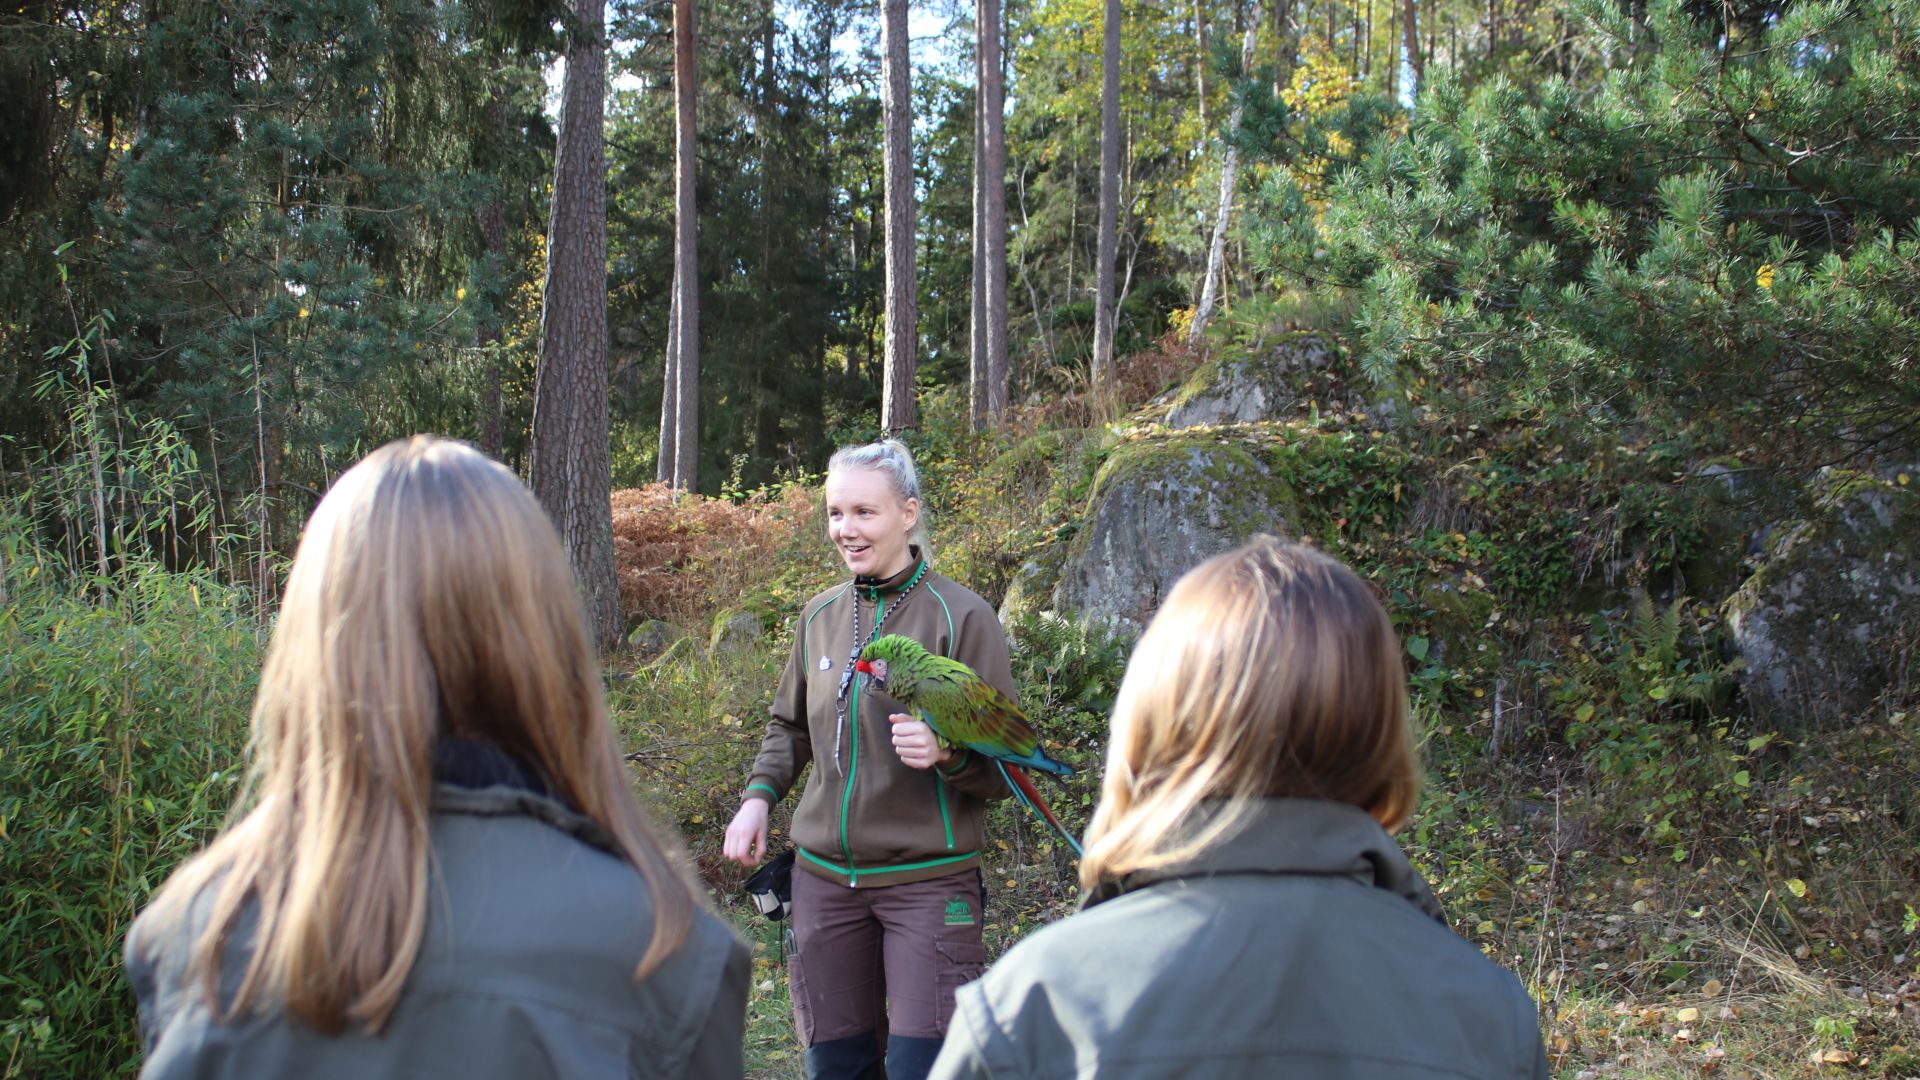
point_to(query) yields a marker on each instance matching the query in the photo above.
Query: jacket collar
(479, 779)
(915, 569)
(1297, 836)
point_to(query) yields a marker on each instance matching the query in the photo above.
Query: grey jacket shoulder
(526, 970)
(1280, 957)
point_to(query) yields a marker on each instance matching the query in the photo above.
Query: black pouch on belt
(771, 886)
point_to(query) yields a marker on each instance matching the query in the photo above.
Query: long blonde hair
(429, 596)
(1270, 671)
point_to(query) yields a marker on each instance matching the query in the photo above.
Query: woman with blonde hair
(437, 866)
(1240, 862)
(886, 883)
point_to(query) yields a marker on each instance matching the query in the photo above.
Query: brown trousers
(882, 959)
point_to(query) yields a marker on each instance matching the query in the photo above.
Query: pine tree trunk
(570, 471)
(686, 258)
(993, 201)
(896, 394)
(1104, 313)
(669, 384)
(1200, 53)
(1229, 173)
(977, 339)
(1410, 26)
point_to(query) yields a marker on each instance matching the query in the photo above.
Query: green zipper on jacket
(940, 793)
(853, 722)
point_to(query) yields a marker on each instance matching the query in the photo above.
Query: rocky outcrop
(1244, 389)
(1160, 506)
(1830, 622)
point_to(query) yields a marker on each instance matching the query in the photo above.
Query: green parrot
(964, 710)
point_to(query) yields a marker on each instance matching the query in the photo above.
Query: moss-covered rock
(1456, 612)
(735, 630)
(1161, 505)
(1831, 620)
(1243, 389)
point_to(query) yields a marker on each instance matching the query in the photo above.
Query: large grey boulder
(1830, 622)
(735, 631)
(1160, 506)
(1247, 388)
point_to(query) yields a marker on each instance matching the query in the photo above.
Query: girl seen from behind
(1248, 913)
(437, 866)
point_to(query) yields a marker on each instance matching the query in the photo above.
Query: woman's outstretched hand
(747, 834)
(916, 743)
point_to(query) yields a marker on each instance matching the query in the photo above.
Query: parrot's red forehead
(864, 667)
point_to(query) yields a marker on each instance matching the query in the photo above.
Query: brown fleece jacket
(866, 818)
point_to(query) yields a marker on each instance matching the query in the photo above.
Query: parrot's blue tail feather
(1040, 761)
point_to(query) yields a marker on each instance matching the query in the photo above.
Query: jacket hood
(1295, 836)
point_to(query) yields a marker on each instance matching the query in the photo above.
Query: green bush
(124, 721)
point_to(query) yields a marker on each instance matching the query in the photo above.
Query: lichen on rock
(1161, 505)
(1831, 620)
(1244, 389)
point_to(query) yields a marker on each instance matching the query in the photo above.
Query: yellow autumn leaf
(1797, 887)
(304, 313)
(460, 294)
(1764, 276)
(1688, 1015)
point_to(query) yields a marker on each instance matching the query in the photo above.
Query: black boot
(856, 1057)
(910, 1057)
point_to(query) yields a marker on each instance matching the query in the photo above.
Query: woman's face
(869, 524)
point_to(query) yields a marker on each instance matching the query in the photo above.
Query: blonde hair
(1271, 671)
(892, 459)
(429, 596)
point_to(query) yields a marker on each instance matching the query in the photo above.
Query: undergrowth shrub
(1642, 693)
(123, 708)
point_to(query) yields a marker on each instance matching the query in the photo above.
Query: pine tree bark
(669, 384)
(1229, 175)
(686, 257)
(1201, 65)
(1104, 313)
(1410, 27)
(896, 393)
(977, 323)
(571, 475)
(990, 221)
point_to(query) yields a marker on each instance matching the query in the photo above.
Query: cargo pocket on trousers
(963, 958)
(797, 990)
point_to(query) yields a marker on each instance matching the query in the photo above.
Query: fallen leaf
(1688, 1016)
(1713, 988)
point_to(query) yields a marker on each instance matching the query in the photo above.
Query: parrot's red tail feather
(1030, 794)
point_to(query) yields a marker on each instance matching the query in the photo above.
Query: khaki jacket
(1304, 945)
(866, 818)
(533, 931)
